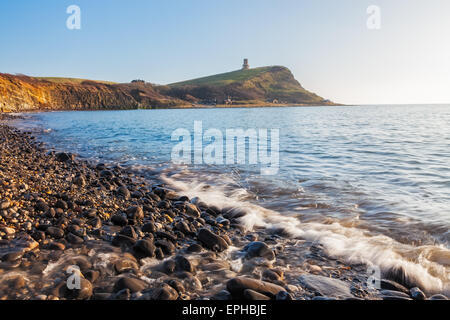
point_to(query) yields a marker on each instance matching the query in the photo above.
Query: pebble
(237, 286)
(212, 241)
(259, 249)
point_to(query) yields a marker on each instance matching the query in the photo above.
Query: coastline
(132, 239)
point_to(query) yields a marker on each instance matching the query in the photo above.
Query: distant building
(138, 81)
(245, 66)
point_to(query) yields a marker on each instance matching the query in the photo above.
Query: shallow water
(370, 183)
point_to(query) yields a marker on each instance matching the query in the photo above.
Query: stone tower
(245, 66)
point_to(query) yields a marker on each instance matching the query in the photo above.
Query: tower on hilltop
(245, 66)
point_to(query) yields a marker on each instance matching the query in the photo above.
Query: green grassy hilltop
(263, 85)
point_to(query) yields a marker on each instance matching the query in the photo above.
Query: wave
(427, 266)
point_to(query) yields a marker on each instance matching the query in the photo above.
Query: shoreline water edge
(75, 229)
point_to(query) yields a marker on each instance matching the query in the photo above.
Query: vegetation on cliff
(258, 86)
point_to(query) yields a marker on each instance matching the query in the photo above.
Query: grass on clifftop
(225, 78)
(71, 80)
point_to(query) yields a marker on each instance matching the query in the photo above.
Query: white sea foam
(425, 266)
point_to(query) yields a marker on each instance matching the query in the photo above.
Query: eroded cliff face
(22, 93)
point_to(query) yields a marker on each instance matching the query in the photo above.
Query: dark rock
(73, 239)
(192, 210)
(183, 227)
(194, 248)
(249, 294)
(79, 181)
(41, 206)
(417, 294)
(211, 240)
(135, 212)
(259, 249)
(123, 191)
(96, 223)
(149, 227)
(392, 285)
(119, 220)
(169, 266)
(53, 245)
(283, 295)
(64, 157)
(394, 295)
(237, 286)
(55, 232)
(222, 295)
(61, 204)
(145, 248)
(165, 293)
(183, 264)
(134, 285)
(124, 294)
(165, 235)
(92, 275)
(177, 285)
(120, 239)
(12, 256)
(129, 232)
(438, 297)
(167, 247)
(84, 293)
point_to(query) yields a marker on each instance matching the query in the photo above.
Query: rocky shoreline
(130, 239)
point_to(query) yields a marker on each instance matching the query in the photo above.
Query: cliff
(22, 93)
(259, 86)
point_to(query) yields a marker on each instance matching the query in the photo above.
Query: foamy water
(371, 184)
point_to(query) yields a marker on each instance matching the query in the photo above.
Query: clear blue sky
(325, 43)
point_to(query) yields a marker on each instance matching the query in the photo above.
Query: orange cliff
(20, 93)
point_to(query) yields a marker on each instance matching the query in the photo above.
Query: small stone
(134, 285)
(259, 249)
(129, 232)
(123, 191)
(61, 204)
(250, 294)
(438, 297)
(237, 286)
(119, 220)
(417, 294)
(41, 206)
(192, 210)
(64, 157)
(149, 227)
(165, 293)
(283, 295)
(92, 275)
(183, 264)
(56, 246)
(194, 248)
(73, 239)
(125, 265)
(55, 232)
(135, 212)
(167, 247)
(5, 205)
(145, 248)
(211, 240)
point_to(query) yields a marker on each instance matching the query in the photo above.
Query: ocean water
(369, 183)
